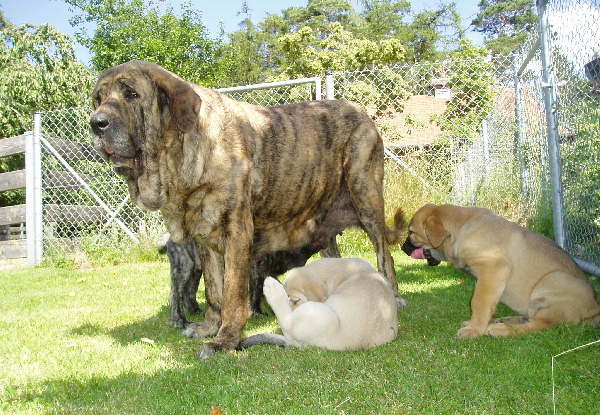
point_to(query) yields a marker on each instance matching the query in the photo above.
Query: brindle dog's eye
(131, 94)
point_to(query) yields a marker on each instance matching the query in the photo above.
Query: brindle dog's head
(137, 104)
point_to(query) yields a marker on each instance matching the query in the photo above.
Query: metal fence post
(548, 85)
(486, 147)
(329, 88)
(520, 128)
(33, 193)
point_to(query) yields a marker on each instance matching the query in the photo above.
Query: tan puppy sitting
(513, 265)
(333, 303)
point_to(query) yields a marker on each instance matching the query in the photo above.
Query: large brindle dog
(241, 179)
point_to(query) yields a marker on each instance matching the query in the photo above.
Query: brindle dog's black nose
(99, 122)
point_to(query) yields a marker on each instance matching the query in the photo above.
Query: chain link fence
(83, 200)
(451, 130)
(470, 132)
(572, 68)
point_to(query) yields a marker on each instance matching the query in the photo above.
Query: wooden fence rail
(13, 219)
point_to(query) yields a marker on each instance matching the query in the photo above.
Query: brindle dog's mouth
(124, 165)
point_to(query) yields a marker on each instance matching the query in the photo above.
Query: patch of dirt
(13, 263)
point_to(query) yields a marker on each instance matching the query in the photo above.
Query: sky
(57, 14)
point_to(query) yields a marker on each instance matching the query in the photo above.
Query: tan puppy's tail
(398, 233)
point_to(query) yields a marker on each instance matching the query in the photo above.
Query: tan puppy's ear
(436, 233)
(315, 291)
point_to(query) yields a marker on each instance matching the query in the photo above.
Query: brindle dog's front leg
(213, 267)
(235, 309)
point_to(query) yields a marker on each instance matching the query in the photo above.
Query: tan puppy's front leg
(488, 290)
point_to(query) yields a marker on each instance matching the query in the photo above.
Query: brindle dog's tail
(398, 233)
(266, 338)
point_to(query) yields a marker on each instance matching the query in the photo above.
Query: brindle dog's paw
(200, 330)
(181, 324)
(207, 351)
(211, 348)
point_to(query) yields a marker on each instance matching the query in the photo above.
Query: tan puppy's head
(426, 229)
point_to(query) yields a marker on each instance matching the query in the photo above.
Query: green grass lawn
(99, 341)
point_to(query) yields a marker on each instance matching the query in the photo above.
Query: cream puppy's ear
(297, 300)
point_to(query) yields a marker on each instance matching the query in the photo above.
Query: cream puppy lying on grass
(333, 303)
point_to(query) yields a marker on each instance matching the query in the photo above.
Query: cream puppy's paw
(275, 295)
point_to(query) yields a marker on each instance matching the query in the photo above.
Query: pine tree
(505, 23)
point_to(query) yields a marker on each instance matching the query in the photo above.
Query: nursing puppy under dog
(186, 271)
(513, 265)
(333, 303)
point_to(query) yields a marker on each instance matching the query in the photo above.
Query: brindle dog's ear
(436, 233)
(184, 102)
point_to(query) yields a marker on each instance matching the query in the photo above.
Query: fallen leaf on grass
(145, 340)
(216, 411)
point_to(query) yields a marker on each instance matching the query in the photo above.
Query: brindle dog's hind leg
(365, 186)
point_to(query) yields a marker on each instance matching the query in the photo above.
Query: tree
(326, 33)
(472, 80)
(505, 23)
(245, 64)
(305, 55)
(384, 18)
(39, 72)
(134, 29)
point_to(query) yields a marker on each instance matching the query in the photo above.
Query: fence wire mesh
(83, 200)
(451, 128)
(574, 43)
(279, 95)
(471, 132)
